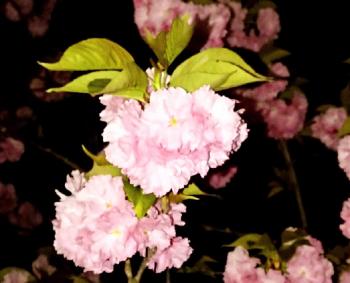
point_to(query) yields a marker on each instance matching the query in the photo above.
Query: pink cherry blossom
(156, 16)
(220, 179)
(268, 26)
(271, 276)
(10, 150)
(156, 232)
(284, 120)
(344, 154)
(344, 276)
(177, 135)
(94, 225)
(279, 69)
(75, 182)
(27, 216)
(326, 126)
(307, 265)
(41, 267)
(8, 198)
(16, 276)
(345, 215)
(240, 268)
(173, 256)
(217, 17)
(264, 92)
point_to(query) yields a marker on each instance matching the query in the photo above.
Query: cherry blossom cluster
(96, 227)
(177, 135)
(284, 118)
(307, 265)
(225, 21)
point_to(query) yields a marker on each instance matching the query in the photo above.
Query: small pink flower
(280, 70)
(284, 120)
(268, 26)
(11, 150)
(8, 198)
(344, 154)
(41, 267)
(344, 276)
(173, 256)
(220, 179)
(156, 16)
(268, 23)
(240, 268)
(326, 126)
(27, 216)
(345, 215)
(266, 91)
(309, 266)
(271, 276)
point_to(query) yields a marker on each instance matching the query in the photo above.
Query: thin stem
(128, 270)
(168, 280)
(143, 265)
(58, 156)
(294, 182)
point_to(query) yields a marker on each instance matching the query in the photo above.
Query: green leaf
(275, 190)
(168, 45)
(100, 165)
(193, 190)
(272, 54)
(91, 54)
(246, 241)
(91, 83)
(131, 82)
(131, 77)
(220, 68)
(345, 129)
(291, 240)
(202, 266)
(141, 202)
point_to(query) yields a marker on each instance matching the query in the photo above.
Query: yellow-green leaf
(141, 202)
(100, 165)
(345, 129)
(168, 45)
(272, 54)
(220, 68)
(92, 54)
(131, 82)
(193, 190)
(91, 83)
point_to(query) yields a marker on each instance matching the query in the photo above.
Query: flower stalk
(293, 182)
